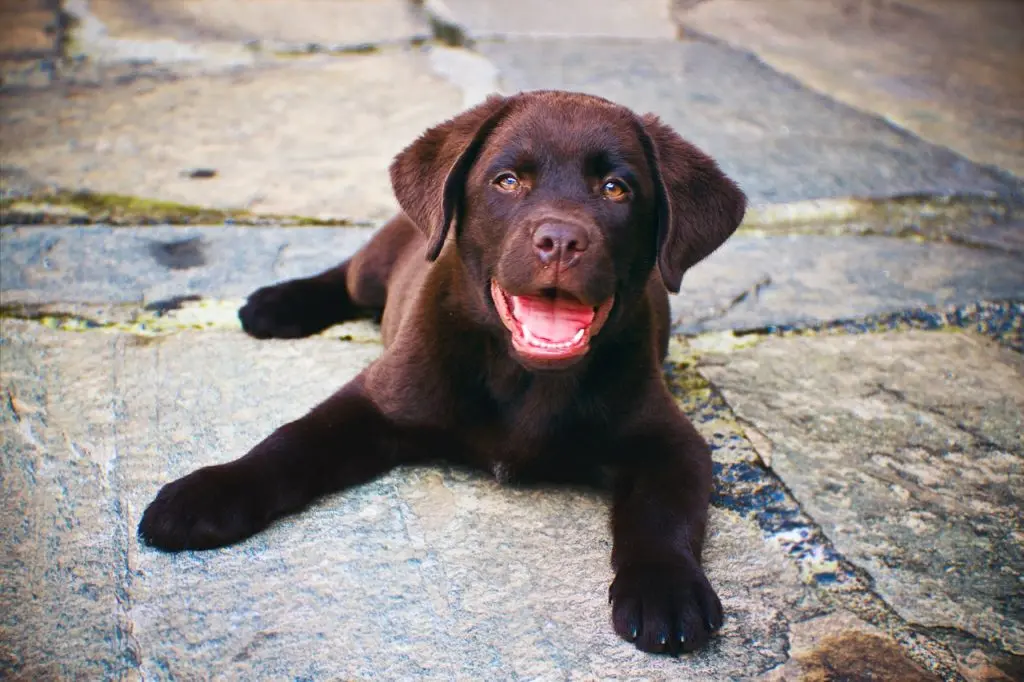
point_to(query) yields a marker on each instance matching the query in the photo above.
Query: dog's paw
(211, 507)
(288, 310)
(664, 607)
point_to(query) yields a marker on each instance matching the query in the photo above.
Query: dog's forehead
(569, 128)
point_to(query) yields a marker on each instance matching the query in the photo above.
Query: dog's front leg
(661, 599)
(342, 442)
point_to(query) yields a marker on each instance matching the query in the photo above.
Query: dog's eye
(615, 190)
(507, 182)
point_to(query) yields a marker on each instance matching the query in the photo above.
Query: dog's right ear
(429, 176)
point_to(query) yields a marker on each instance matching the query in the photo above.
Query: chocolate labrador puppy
(523, 301)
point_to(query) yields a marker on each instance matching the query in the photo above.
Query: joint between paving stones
(752, 489)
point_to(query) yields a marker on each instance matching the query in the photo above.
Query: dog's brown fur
(449, 386)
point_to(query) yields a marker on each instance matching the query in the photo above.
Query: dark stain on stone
(179, 255)
(164, 306)
(136, 341)
(201, 173)
(859, 657)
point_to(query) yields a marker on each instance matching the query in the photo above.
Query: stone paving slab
(26, 28)
(947, 71)
(134, 265)
(29, 36)
(277, 23)
(907, 449)
(750, 282)
(779, 140)
(426, 573)
(313, 136)
(486, 19)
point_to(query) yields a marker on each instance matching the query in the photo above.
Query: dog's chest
(537, 438)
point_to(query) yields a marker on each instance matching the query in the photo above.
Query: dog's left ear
(698, 206)
(429, 175)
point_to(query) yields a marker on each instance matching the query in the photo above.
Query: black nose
(560, 243)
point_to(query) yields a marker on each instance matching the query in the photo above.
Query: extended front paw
(211, 507)
(664, 607)
(290, 310)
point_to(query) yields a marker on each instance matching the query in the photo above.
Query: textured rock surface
(335, 23)
(286, 139)
(425, 573)
(781, 141)
(124, 265)
(483, 19)
(839, 646)
(801, 279)
(907, 449)
(782, 280)
(871, 55)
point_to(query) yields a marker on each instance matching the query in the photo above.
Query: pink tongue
(551, 319)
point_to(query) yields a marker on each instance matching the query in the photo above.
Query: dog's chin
(549, 331)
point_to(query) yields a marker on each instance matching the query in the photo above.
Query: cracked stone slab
(331, 24)
(134, 265)
(313, 136)
(426, 573)
(782, 280)
(752, 282)
(967, 96)
(907, 449)
(488, 19)
(779, 140)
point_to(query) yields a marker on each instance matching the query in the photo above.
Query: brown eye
(615, 190)
(507, 182)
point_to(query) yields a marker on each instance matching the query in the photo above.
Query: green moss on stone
(83, 207)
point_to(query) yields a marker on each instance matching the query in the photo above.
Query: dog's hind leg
(356, 288)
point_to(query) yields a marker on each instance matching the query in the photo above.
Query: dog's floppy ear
(698, 206)
(429, 175)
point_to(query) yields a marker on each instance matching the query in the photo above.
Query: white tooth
(535, 340)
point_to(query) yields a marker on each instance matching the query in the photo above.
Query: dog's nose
(560, 243)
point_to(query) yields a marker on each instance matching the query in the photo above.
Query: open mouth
(549, 327)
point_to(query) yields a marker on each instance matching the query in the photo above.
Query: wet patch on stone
(182, 254)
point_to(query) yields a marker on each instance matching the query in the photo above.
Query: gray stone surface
(490, 19)
(426, 573)
(132, 265)
(273, 23)
(968, 95)
(781, 141)
(907, 448)
(783, 280)
(311, 136)
(802, 279)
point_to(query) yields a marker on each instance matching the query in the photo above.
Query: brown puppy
(525, 319)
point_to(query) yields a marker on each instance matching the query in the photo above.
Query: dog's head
(563, 203)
